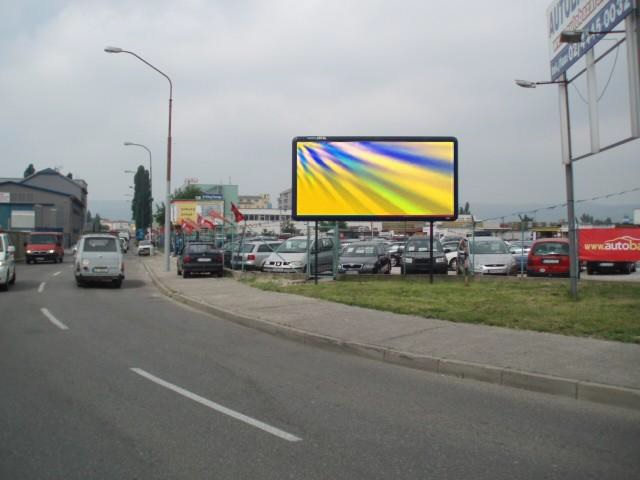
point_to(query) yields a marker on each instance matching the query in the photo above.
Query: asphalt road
(124, 384)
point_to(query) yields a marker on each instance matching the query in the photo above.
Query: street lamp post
(565, 135)
(128, 144)
(167, 211)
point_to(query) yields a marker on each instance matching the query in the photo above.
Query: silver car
(252, 255)
(7, 262)
(291, 256)
(99, 259)
(490, 255)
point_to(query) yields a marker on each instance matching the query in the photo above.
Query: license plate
(606, 264)
(204, 259)
(351, 272)
(551, 260)
(39, 258)
(99, 269)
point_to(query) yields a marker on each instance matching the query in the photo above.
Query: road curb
(536, 382)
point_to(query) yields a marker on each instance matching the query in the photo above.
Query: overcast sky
(250, 75)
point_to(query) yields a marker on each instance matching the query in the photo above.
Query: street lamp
(129, 144)
(577, 36)
(167, 214)
(528, 84)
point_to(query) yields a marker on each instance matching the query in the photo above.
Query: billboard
(374, 178)
(183, 210)
(589, 15)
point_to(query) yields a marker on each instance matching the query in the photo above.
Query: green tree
(30, 170)
(70, 176)
(286, 226)
(188, 192)
(159, 216)
(141, 203)
(89, 219)
(97, 226)
(466, 210)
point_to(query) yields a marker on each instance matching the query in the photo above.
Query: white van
(99, 259)
(7, 262)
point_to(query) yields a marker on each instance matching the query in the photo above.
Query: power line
(552, 207)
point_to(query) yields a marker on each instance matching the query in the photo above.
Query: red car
(549, 257)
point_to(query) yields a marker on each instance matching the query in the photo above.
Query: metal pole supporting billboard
(315, 258)
(431, 251)
(565, 140)
(632, 23)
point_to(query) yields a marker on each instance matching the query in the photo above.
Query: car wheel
(13, 279)
(117, 283)
(185, 274)
(28, 261)
(453, 264)
(61, 259)
(178, 271)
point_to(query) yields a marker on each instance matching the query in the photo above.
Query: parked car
(124, 244)
(291, 256)
(44, 246)
(365, 257)
(549, 257)
(450, 248)
(99, 259)
(7, 262)
(490, 256)
(520, 252)
(395, 253)
(416, 257)
(145, 247)
(200, 257)
(253, 254)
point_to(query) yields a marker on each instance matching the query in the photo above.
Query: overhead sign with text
(375, 178)
(588, 15)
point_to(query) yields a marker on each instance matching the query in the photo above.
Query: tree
(141, 204)
(188, 192)
(466, 210)
(159, 216)
(30, 170)
(586, 219)
(286, 226)
(97, 226)
(89, 219)
(70, 176)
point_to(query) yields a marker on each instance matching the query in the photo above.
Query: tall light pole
(128, 144)
(565, 136)
(167, 208)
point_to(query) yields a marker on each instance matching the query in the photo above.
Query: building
(227, 193)
(45, 200)
(262, 200)
(285, 200)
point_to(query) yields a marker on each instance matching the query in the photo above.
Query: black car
(416, 257)
(200, 257)
(365, 257)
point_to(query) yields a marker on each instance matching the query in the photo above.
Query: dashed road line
(53, 319)
(41, 287)
(56, 274)
(219, 408)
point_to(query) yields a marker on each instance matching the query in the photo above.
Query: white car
(145, 247)
(7, 262)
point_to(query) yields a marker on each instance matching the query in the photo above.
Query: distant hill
(111, 209)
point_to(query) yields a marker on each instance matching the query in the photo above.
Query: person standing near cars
(463, 259)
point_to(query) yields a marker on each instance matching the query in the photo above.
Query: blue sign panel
(605, 20)
(210, 196)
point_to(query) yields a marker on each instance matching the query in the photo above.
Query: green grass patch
(606, 310)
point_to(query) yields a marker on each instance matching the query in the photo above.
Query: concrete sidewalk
(582, 368)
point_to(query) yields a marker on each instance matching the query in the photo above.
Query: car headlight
(296, 264)
(408, 260)
(28, 251)
(85, 262)
(440, 260)
(52, 251)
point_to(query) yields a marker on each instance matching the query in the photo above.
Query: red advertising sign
(616, 244)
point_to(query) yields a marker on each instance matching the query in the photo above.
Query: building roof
(51, 171)
(41, 189)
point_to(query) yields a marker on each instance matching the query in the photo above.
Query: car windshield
(42, 239)
(488, 247)
(100, 245)
(246, 248)
(201, 248)
(293, 246)
(360, 251)
(422, 245)
(144, 243)
(551, 248)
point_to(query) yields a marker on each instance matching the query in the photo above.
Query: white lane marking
(53, 319)
(56, 274)
(41, 287)
(219, 408)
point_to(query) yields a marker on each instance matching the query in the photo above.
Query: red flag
(237, 213)
(199, 219)
(208, 223)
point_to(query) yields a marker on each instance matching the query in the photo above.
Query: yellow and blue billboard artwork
(376, 178)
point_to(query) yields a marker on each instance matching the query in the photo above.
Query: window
(201, 248)
(552, 248)
(100, 245)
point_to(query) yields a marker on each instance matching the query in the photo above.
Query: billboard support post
(632, 23)
(431, 251)
(592, 89)
(315, 257)
(565, 140)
